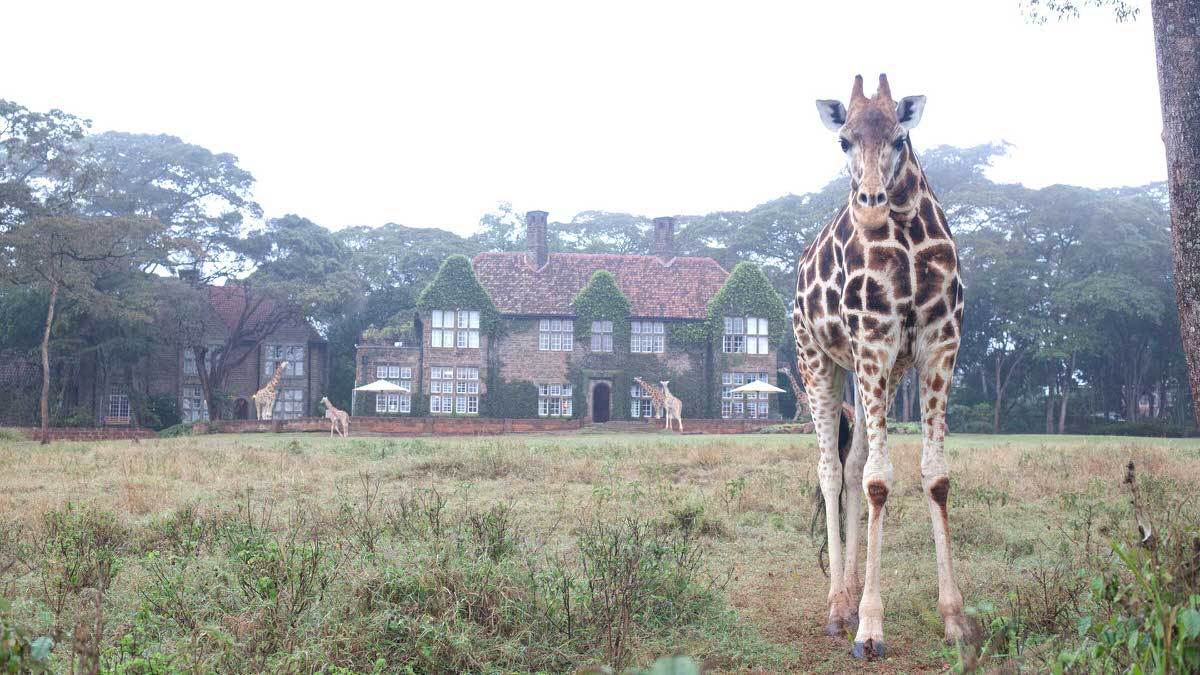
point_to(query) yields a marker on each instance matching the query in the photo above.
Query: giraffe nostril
(881, 198)
(862, 198)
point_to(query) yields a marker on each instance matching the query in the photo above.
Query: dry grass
(1007, 504)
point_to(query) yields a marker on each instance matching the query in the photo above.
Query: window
(192, 404)
(745, 335)
(454, 328)
(289, 404)
(554, 400)
(400, 375)
(640, 403)
(189, 358)
(393, 403)
(753, 405)
(646, 337)
(556, 335)
(118, 405)
(454, 390)
(602, 336)
(273, 354)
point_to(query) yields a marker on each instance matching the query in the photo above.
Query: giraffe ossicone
(878, 291)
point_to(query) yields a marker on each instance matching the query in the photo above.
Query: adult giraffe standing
(877, 292)
(264, 399)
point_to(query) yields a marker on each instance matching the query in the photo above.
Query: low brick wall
(87, 433)
(707, 426)
(403, 426)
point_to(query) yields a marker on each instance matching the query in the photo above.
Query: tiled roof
(229, 301)
(679, 288)
(19, 369)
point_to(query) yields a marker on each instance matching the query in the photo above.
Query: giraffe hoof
(834, 628)
(868, 651)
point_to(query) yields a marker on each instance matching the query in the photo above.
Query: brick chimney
(536, 237)
(190, 274)
(664, 237)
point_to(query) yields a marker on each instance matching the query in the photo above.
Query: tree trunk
(1050, 406)
(1066, 391)
(999, 397)
(46, 365)
(1177, 46)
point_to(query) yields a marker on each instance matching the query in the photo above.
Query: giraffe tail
(816, 526)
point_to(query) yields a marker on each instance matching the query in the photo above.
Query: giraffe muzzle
(871, 216)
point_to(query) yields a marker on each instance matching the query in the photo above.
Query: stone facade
(533, 293)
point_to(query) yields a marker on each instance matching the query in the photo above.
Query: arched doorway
(241, 409)
(601, 402)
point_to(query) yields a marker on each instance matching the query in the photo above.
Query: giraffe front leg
(877, 485)
(935, 480)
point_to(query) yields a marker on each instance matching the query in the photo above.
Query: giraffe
(656, 396)
(672, 406)
(879, 291)
(264, 399)
(339, 419)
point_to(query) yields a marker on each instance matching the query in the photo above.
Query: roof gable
(679, 288)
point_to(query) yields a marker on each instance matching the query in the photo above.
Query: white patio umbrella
(758, 387)
(376, 387)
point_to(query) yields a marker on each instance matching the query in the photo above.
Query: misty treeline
(1070, 321)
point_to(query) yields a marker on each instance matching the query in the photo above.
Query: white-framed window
(641, 404)
(273, 354)
(393, 403)
(399, 375)
(554, 400)
(289, 404)
(454, 328)
(189, 358)
(752, 405)
(192, 406)
(602, 336)
(454, 390)
(118, 404)
(556, 335)
(745, 335)
(647, 337)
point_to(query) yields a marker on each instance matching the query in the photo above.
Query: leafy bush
(1146, 428)
(970, 419)
(79, 417)
(11, 435)
(175, 431)
(159, 411)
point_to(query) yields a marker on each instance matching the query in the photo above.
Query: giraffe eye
(898, 144)
(845, 144)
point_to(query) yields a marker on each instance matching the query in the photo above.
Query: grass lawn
(301, 552)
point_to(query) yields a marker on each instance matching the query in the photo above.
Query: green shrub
(79, 417)
(11, 435)
(1146, 428)
(175, 431)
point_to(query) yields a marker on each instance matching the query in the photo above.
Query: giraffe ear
(833, 114)
(908, 111)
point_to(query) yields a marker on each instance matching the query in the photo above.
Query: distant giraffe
(657, 400)
(672, 406)
(339, 419)
(264, 399)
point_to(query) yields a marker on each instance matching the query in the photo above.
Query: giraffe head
(873, 133)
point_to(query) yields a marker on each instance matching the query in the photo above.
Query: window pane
(475, 320)
(474, 340)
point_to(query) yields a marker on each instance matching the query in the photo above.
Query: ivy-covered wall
(513, 367)
(455, 286)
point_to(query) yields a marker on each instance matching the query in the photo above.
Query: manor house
(539, 334)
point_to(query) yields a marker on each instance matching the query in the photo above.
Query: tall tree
(66, 257)
(1177, 51)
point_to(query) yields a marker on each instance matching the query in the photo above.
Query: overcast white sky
(429, 113)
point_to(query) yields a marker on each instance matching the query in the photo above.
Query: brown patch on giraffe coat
(892, 263)
(854, 255)
(931, 265)
(825, 259)
(832, 301)
(876, 297)
(812, 302)
(853, 298)
(939, 492)
(877, 492)
(937, 383)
